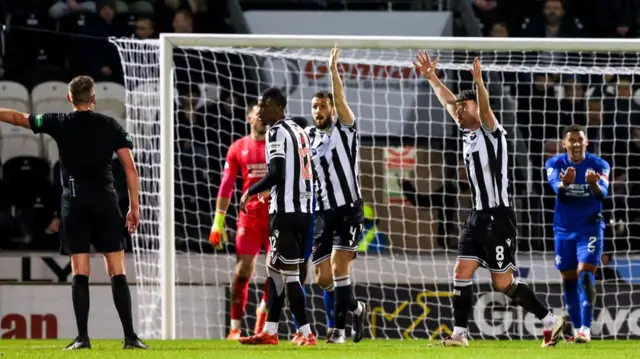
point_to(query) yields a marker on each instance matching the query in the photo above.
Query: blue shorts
(575, 248)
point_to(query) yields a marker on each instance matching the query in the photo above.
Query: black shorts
(287, 238)
(91, 217)
(339, 229)
(489, 237)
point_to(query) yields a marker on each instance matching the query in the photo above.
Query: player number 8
(499, 253)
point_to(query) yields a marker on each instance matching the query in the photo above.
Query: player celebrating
(290, 178)
(581, 182)
(489, 235)
(339, 218)
(246, 155)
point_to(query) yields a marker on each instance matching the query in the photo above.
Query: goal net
(410, 172)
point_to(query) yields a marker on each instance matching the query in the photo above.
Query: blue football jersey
(577, 209)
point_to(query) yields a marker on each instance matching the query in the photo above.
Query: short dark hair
(300, 121)
(465, 95)
(324, 94)
(81, 90)
(275, 94)
(572, 128)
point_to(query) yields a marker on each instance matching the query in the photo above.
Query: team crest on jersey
(549, 172)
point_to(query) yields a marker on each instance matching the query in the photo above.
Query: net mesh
(408, 144)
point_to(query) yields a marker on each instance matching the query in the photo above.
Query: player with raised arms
(581, 183)
(247, 156)
(488, 238)
(339, 209)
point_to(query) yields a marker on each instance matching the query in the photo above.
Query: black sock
(526, 298)
(353, 302)
(297, 302)
(462, 301)
(122, 300)
(80, 298)
(342, 300)
(275, 299)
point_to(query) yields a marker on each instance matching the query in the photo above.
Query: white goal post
(395, 109)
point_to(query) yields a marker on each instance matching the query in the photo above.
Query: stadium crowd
(54, 40)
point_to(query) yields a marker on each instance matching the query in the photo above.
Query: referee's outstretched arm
(15, 117)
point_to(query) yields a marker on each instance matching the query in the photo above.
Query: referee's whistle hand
(133, 220)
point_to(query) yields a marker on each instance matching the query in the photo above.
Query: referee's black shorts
(489, 238)
(93, 216)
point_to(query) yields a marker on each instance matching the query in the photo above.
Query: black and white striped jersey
(336, 159)
(486, 160)
(295, 194)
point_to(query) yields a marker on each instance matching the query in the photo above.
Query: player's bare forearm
(339, 99)
(596, 190)
(14, 117)
(222, 204)
(484, 106)
(444, 95)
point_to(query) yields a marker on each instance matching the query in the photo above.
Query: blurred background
(47, 42)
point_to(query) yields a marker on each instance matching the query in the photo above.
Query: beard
(323, 123)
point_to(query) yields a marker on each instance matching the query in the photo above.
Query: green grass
(367, 349)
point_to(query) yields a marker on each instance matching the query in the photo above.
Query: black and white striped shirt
(336, 158)
(486, 160)
(289, 141)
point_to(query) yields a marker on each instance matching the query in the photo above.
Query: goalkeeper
(581, 183)
(246, 155)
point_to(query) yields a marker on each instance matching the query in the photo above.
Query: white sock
(549, 321)
(305, 330)
(576, 331)
(586, 331)
(236, 324)
(358, 310)
(271, 328)
(263, 306)
(341, 331)
(459, 331)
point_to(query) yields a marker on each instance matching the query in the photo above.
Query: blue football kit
(578, 222)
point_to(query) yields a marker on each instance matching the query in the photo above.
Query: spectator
(499, 29)
(553, 23)
(134, 6)
(63, 8)
(145, 28)
(183, 22)
(620, 18)
(100, 57)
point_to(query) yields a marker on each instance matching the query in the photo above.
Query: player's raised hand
(133, 220)
(592, 177)
(424, 64)
(218, 235)
(333, 58)
(476, 70)
(568, 177)
(264, 196)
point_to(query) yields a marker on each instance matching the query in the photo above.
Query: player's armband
(275, 149)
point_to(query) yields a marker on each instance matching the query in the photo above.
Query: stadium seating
(110, 100)
(14, 96)
(49, 97)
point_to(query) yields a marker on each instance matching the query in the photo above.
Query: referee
(488, 238)
(90, 213)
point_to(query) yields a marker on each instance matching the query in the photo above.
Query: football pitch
(367, 349)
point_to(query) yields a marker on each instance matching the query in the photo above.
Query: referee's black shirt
(86, 143)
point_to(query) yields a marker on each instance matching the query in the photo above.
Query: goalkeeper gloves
(218, 234)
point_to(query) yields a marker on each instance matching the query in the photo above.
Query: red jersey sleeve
(231, 167)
